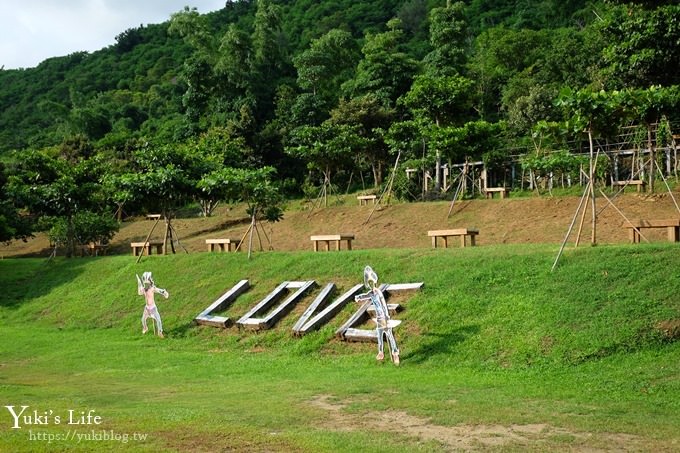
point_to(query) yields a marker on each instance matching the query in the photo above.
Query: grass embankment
(497, 353)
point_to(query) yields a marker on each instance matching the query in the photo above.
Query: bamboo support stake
(238, 247)
(389, 187)
(566, 238)
(456, 194)
(583, 218)
(593, 235)
(668, 187)
(624, 217)
(147, 239)
(250, 238)
(165, 235)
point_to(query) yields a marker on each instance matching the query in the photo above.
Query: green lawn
(498, 354)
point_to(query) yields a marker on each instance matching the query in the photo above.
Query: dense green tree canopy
(335, 86)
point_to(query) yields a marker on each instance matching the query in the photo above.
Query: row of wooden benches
(228, 245)
(465, 235)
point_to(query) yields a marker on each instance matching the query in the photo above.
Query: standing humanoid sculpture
(146, 287)
(383, 322)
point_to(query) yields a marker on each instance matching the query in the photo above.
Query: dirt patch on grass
(670, 329)
(210, 442)
(474, 437)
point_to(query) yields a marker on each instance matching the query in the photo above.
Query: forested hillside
(265, 99)
(135, 87)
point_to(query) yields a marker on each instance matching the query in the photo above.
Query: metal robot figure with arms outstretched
(383, 322)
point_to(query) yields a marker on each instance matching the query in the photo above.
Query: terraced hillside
(402, 225)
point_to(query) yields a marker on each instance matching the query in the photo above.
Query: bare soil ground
(464, 437)
(532, 219)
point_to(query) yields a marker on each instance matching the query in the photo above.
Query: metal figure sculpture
(147, 287)
(383, 322)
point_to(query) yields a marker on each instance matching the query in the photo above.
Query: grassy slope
(494, 338)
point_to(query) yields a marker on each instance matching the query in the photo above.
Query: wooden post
(166, 234)
(593, 236)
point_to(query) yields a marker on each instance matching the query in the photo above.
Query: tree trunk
(437, 172)
(652, 158)
(207, 207)
(377, 168)
(70, 237)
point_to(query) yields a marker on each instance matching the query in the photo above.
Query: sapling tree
(370, 119)
(326, 148)
(161, 179)
(212, 151)
(647, 106)
(255, 188)
(595, 114)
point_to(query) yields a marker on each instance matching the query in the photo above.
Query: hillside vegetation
(266, 101)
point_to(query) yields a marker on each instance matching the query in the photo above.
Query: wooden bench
(671, 225)
(446, 234)
(224, 245)
(153, 217)
(634, 182)
(364, 199)
(93, 249)
(489, 191)
(328, 238)
(139, 247)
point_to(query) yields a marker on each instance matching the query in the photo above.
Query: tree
(86, 226)
(195, 30)
(269, 56)
(526, 14)
(200, 88)
(235, 61)
(325, 148)
(12, 224)
(642, 46)
(501, 54)
(327, 63)
(440, 94)
(443, 100)
(59, 191)
(256, 188)
(448, 36)
(648, 106)
(213, 151)
(385, 70)
(322, 68)
(370, 119)
(161, 179)
(597, 114)
(266, 38)
(537, 105)
(472, 140)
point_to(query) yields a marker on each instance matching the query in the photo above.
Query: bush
(87, 227)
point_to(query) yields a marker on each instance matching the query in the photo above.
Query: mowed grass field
(498, 354)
